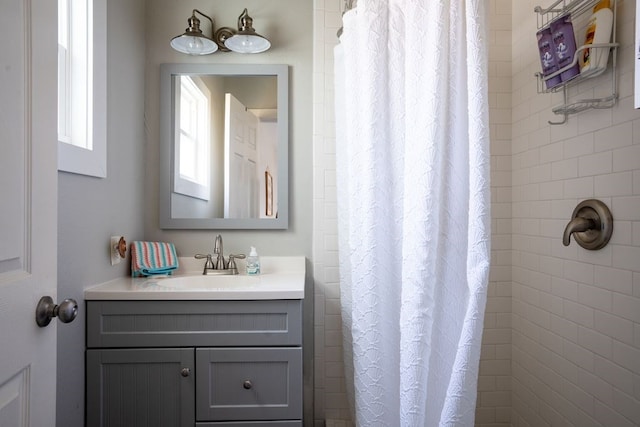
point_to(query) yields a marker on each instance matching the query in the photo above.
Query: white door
(241, 158)
(28, 207)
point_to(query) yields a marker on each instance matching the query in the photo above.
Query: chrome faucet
(217, 250)
(220, 266)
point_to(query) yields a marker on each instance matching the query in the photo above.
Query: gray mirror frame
(166, 146)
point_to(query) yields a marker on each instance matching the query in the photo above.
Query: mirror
(224, 146)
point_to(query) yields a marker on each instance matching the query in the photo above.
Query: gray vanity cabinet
(194, 363)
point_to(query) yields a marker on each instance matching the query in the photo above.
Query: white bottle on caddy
(594, 61)
(253, 262)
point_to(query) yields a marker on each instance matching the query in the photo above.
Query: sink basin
(210, 283)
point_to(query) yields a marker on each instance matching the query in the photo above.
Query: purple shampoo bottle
(564, 41)
(548, 57)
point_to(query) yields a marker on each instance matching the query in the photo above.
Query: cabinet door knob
(247, 385)
(185, 372)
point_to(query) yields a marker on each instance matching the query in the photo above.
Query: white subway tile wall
(561, 344)
(330, 399)
(576, 317)
(493, 406)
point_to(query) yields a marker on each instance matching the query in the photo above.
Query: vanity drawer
(248, 384)
(194, 323)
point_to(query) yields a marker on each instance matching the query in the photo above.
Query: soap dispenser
(253, 262)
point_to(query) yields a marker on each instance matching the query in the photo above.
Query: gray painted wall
(126, 202)
(90, 210)
(287, 23)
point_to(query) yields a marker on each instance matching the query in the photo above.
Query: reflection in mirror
(224, 146)
(225, 142)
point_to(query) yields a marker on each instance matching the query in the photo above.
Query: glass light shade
(246, 40)
(194, 44)
(247, 43)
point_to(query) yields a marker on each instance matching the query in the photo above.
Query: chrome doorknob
(46, 310)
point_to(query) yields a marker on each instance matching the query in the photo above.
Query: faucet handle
(232, 260)
(208, 264)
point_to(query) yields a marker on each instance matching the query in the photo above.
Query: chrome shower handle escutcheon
(591, 225)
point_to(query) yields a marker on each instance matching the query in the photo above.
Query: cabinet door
(249, 383)
(140, 387)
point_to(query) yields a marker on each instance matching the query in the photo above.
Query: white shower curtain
(412, 149)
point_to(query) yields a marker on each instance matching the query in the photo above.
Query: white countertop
(280, 278)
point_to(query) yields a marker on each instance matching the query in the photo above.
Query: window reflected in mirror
(192, 164)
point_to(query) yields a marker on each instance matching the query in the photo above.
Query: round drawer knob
(247, 385)
(185, 372)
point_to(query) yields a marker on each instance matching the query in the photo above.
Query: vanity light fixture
(246, 40)
(193, 42)
(225, 39)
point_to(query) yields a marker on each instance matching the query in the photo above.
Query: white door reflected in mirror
(250, 148)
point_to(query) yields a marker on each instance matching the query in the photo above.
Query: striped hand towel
(148, 258)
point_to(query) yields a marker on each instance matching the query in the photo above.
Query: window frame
(85, 152)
